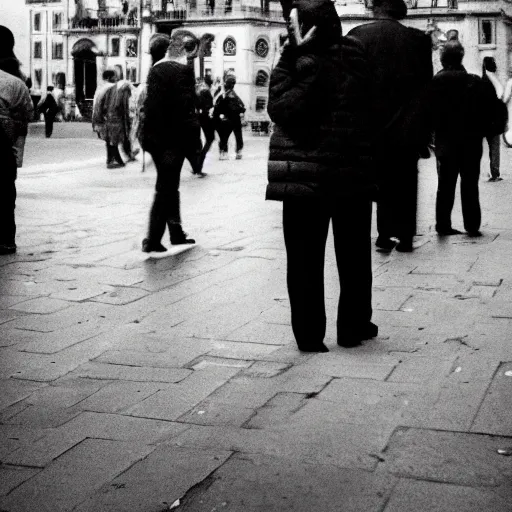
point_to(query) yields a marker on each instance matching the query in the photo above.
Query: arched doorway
(84, 53)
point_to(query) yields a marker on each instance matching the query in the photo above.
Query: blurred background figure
(49, 107)
(227, 114)
(205, 109)
(489, 70)
(16, 110)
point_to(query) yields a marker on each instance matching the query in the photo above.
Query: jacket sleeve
(291, 87)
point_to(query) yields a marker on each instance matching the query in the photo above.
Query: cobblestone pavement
(137, 385)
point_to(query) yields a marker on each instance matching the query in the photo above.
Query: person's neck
(382, 15)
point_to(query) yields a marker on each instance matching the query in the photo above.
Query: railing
(42, 1)
(218, 12)
(111, 23)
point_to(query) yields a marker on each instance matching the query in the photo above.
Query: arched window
(261, 104)
(261, 48)
(229, 46)
(261, 78)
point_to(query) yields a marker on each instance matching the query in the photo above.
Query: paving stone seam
(484, 395)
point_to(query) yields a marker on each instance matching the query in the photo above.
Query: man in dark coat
(320, 166)
(171, 133)
(49, 109)
(400, 60)
(461, 112)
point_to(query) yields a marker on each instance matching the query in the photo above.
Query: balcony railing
(218, 12)
(101, 24)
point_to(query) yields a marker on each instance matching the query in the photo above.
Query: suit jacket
(400, 61)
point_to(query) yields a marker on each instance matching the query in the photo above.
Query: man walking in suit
(400, 60)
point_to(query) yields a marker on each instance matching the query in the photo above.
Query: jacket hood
(319, 13)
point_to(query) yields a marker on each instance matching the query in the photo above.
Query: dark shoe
(114, 165)
(350, 339)
(384, 244)
(7, 249)
(321, 348)
(448, 232)
(148, 246)
(179, 237)
(405, 246)
(495, 178)
(239, 155)
(474, 234)
(200, 174)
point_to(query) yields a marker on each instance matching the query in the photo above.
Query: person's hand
(295, 30)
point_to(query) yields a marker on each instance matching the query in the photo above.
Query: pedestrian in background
(16, 110)
(489, 70)
(227, 114)
(49, 108)
(460, 111)
(111, 118)
(171, 133)
(205, 109)
(320, 166)
(400, 62)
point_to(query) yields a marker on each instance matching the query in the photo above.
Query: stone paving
(143, 385)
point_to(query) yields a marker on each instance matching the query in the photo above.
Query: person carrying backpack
(227, 116)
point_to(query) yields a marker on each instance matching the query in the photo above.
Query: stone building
(73, 41)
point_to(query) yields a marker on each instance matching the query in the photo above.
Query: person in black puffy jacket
(321, 167)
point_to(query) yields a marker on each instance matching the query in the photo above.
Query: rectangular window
(38, 76)
(57, 20)
(57, 51)
(38, 50)
(261, 104)
(131, 47)
(115, 47)
(37, 22)
(487, 32)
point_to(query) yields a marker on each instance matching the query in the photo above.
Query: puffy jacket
(321, 145)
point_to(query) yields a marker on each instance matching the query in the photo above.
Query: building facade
(73, 41)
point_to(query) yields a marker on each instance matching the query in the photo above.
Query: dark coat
(170, 114)
(400, 62)
(459, 109)
(321, 144)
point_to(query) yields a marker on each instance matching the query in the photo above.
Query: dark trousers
(225, 129)
(465, 163)
(494, 155)
(49, 119)
(166, 203)
(113, 154)
(397, 201)
(208, 127)
(306, 225)
(7, 204)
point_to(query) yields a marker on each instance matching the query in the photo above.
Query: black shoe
(114, 165)
(181, 239)
(448, 232)
(350, 339)
(320, 348)
(7, 249)
(148, 246)
(384, 244)
(405, 245)
(474, 234)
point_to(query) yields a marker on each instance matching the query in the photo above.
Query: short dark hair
(452, 54)
(108, 74)
(489, 64)
(158, 45)
(208, 80)
(397, 9)
(50, 88)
